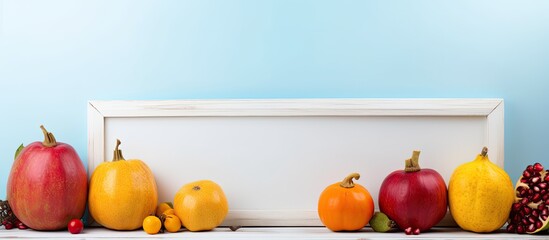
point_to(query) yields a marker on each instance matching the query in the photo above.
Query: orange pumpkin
(345, 206)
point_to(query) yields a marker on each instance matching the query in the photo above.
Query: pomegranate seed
(520, 229)
(520, 191)
(545, 212)
(541, 206)
(527, 210)
(535, 179)
(545, 196)
(539, 224)
(525, 201)
(538, 167)
(532, 219)
(543, 192)
(526, 174)
(4, 222)
(530, 168)
(510, 228)
(416, 231)
(542, 185)
(408, 231)
(524, 180)
(531, 228)
(536, 197)
(544, 218)
(516, 207)
(535, 213)
(525, 222)
(547, 201)
(21, 226)
(516, 219)
(546, 178)
(8, 226)
(536, 189)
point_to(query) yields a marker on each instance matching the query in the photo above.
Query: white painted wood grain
(299, 107)
(96, 137)
(262, 233)
(495, 131)
(274, 157)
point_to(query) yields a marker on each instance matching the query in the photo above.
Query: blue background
(57, 55)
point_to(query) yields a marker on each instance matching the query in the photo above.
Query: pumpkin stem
(412, 164)
(117, 152)
(49, 139)
(484, 152)
(348, 181)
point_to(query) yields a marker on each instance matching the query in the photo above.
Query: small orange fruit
(172, 223)
(169, 212)
(152, 224)
(163, 207)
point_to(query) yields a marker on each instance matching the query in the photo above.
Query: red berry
(75, 226)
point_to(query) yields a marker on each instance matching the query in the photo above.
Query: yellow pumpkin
(201, 205)
(122, 193)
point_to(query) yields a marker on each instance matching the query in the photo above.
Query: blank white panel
(283, 163)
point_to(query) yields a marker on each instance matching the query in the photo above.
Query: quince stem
(484, 152)
(49, 139)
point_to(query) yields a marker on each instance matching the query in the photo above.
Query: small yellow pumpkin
(122, 193)
(201, 205)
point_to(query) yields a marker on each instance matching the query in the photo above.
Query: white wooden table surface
(262, 233)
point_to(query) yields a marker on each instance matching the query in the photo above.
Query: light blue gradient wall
(57, 55)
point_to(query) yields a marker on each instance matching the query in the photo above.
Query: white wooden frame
(99, 111)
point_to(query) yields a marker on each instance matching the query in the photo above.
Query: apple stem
(49, 139)
(348, 181)
(412, 164)
(117, 152)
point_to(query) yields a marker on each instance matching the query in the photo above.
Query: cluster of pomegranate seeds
(530, 210)
(8, 219)
(410, 231)
(9, 225)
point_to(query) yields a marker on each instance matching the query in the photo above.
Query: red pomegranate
(416, 199)
(47, 186)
